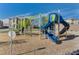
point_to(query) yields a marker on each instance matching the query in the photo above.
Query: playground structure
(23, 24)
(53, 19)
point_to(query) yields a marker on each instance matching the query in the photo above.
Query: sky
(13, 9)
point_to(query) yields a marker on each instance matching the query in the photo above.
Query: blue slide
(53, 18)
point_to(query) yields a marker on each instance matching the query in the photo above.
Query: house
(1, 23)
(73, 21)
(74, 24)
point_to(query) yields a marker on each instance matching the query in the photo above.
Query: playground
(30, 40)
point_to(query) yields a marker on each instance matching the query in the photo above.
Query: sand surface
(38, 45)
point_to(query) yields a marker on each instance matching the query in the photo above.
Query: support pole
(30, 27)
(40, 26)
(10, 38)
(58, 24)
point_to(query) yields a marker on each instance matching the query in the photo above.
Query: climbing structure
(54, 18)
